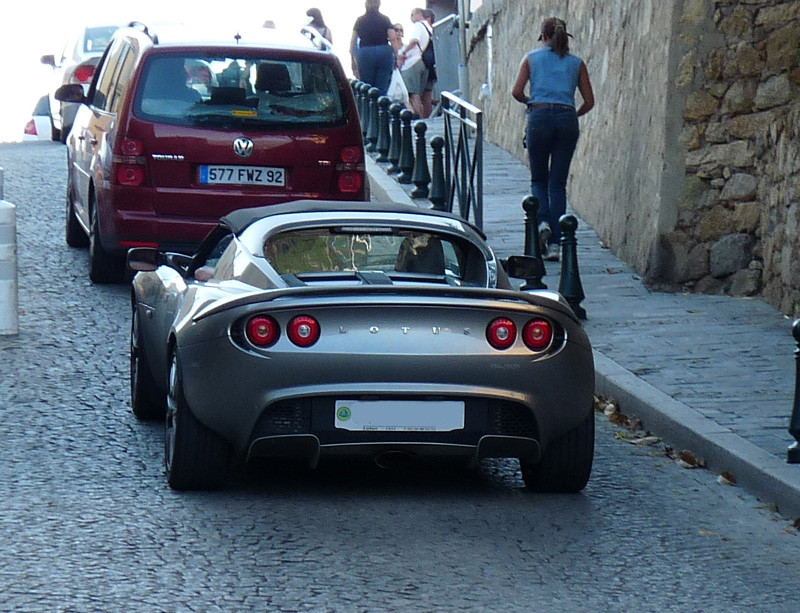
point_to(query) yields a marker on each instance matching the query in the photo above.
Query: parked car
(317, 328)
(75, 64)
(38, 126)
(178, 129)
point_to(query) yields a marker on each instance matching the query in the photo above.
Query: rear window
(238, 92)
(310, 254)
(98, 38)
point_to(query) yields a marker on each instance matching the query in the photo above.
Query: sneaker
(552, 253)
(544, 236)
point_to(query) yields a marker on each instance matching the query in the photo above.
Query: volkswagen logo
(243, 147)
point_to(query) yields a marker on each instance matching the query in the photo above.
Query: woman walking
(316, 21)
(370, 47)
(553, 74)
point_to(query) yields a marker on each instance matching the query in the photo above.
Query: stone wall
(688, 165)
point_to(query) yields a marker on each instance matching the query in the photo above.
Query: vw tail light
(131, 166)
(351, 170)
(501, 333)
(84, 73)
(303, 330)
(262, 331)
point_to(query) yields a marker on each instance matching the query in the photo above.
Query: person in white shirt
(409, 59)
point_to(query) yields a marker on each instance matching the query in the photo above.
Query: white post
(9, 317)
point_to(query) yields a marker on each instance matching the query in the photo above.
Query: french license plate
(242, 175)
(399, 415)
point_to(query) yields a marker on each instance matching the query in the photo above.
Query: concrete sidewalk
(710, 374)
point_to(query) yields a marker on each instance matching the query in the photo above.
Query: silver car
(311, 329)
(75, 63)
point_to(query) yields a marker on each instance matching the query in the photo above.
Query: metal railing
(463, 157)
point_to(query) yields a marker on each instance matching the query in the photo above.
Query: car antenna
(238, 37)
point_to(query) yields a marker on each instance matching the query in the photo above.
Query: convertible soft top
(240, 219)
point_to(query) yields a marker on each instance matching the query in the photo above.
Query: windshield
(311, 254)
(235, 92)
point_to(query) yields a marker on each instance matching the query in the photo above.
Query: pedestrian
(370, 47)
(398, 37)
(415, 74)
(551, 135)
(316, 21)
(429, 57)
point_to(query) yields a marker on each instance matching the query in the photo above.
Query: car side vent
(287, 417)
(508, 419)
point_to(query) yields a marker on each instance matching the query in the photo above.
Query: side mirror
(143, 259)
(72, 92)
(49, 60)
(523, 267)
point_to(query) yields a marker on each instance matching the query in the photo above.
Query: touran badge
(243, 147)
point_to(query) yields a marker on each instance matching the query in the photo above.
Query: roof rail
(318, 40)
(138, 25)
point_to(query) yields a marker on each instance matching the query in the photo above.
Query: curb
(383, 187)
(754, 469)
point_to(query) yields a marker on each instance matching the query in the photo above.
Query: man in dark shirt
(372, 54)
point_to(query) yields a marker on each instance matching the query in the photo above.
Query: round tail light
(350, 182)
(303, 331)
(501, 333)
(262, 331)
(351, 155)
(537, 334)
(84, 73)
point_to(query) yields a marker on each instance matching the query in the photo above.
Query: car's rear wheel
(143, 388)
(75, 235)
(195, 457)
(103, 267)
(566, 464)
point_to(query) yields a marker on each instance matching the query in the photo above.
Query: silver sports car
(310, 329)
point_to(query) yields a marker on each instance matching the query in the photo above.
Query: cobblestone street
(87, 522)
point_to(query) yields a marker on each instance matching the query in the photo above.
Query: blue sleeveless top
(553, 79)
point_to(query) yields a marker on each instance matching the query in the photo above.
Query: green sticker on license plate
(399, 415)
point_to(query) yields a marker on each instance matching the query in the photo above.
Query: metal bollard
(9, 312)
(793, 454)
(438, 194)
(533, 248)
(570, 285)
(372, 130)
(383, 129)
(363, 107)
(406, 148)
(421, 176)
(396, 140)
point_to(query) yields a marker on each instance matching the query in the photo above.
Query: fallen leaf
(708, 533)
(646, 440)
(726, 478)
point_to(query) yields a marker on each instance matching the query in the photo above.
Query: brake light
(262, 331)
(30, 128)
(130, 174)
(537, 334)
(351, 155)
(350, 182)
(303, 330)
(84, 73)
(501, 333)
(130, 146)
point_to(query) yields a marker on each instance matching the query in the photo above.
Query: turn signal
(537, 334)
(262, 331)
(501, 333)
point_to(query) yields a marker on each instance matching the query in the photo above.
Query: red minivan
(177, 130)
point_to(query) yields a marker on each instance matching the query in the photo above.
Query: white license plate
(242, 175)
(399, 415)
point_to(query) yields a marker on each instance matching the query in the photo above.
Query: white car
(75, 64)
(38, 127)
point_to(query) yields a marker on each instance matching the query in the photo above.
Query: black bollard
(372, 130)
(533, 248)
(793, 454)
(394, 145)
(363, 107)
(406, 148)
(383, 129)
(421, 176)
(438, 189)
(570, 286)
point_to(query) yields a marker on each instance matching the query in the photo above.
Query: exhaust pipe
(393, 459)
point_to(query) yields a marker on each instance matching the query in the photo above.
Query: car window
(97, 39)
(121, 78)
(394, 251)
(101, 99)
(237, 92)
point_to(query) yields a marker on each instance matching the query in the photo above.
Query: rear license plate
(242, 175)
(399, 415)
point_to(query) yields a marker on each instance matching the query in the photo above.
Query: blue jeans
(375, 65)
(552, 134)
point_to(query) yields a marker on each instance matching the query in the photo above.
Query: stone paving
(727, 362)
